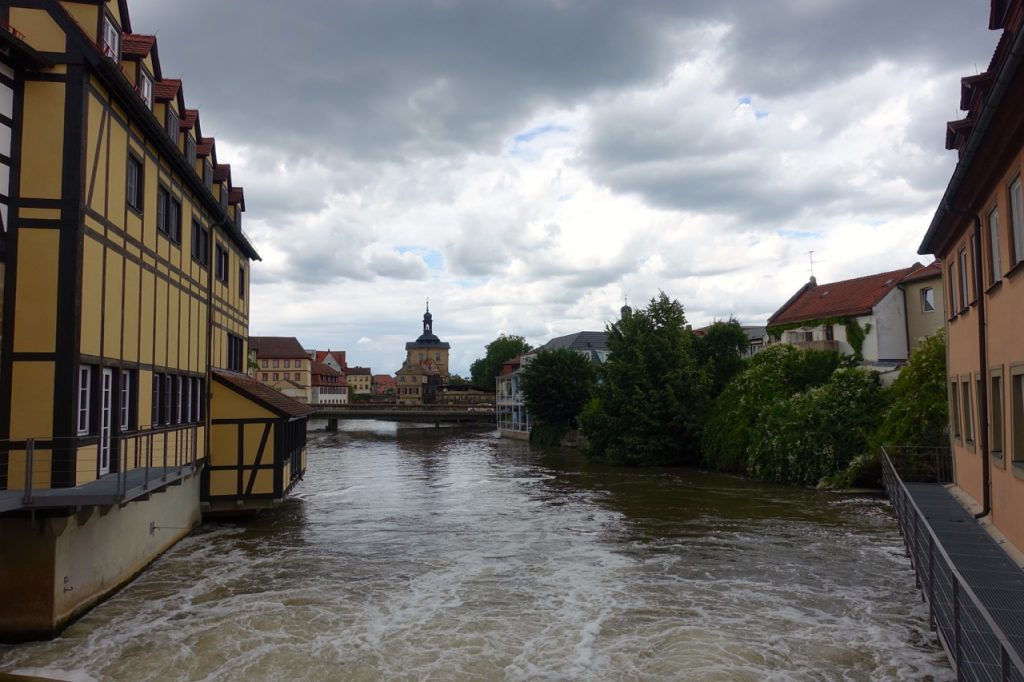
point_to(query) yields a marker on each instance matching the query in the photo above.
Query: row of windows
(168, 223)
(962, 289)
(278, 363)
(276, 376)
(963, 399)
(177, 399)
(106, 394)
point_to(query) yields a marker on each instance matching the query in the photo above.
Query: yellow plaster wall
(32, 412)
(42, 467)
(118, 168)
(87, 16)
(85, 465)
(161, 323)
(43, 133)
(39, 28)
(264, 483)
(145, 399)
(95, 154)
(40, 213)
(35, 310)
(92, 295)
(112, 306)
(131, 311)
(227, 404)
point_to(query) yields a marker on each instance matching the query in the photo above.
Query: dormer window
(146, 89)
(190, 151)
(172, 124)
(208, 175)
(111, 45)
(224, 195)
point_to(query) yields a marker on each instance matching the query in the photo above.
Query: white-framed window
(168, 399)
(927, 300)
(186, 396)
(126, 396)
(146, 89)
(157, 395)
(1017, 220)
(953, 307)
(190, 150)
(995, 267)
(111, 40)
(133, 182)
(996, 414)
(84, 395)
(172, 123)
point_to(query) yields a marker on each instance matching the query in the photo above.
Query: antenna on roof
(810, 257)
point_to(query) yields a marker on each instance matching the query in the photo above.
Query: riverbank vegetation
(556, 384)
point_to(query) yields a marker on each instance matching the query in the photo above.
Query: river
(414, 553)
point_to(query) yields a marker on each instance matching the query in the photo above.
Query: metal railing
(144, 459)
(978, 648)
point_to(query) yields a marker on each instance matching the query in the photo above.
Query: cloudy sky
(529, 164)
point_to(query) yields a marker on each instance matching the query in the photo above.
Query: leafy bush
(773, 375)
(556, 384)
(818, 432)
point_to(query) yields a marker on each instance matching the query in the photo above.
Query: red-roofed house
(331, 358)
(925, 301)
(827, 316)
(329, 386)
(384, 384)
(281, 359)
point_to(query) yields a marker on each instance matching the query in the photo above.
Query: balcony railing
(978, 648)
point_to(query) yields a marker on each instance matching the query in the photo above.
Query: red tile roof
(167, 89)
(365, 371)
(338, 355)
(325, 375)
(189, 120)
(236, 196)
(277, 347)
(263, 395)
(136, 46)
(848, 298)
(222, 172)
(925, 272)
(384, 380)
(204, 147)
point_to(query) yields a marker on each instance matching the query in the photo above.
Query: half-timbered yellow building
(124, 321)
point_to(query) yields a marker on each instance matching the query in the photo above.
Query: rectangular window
(954, 412)
(163, 198)
(265, 376)
(1017, 220)
(276, 376)
(111, 40)
(126, 396)
(224, 195)
(174, 221)
(287, 364)
(277, 363)
(200, 399)
(965, 389)
(172, 123)
(200, 244)
(221, 271)
(190, 151)
(208, 176)
(1017, 408)
(235, 353)
(995, 267)
(133, 189)
(964, 297)
(996, 416)
(829, 336)
(146, 89)
(168, 398)
(157, 395)
(178, 400)
(264, 364)
(241, 282)
(84, 393)
(953, 307)
(927, 300)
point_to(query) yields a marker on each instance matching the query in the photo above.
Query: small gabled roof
(846, 298)
(222, 173)
(136, 46)
(189, 119)
(285, 347)
(236, 196)
(167, 89)
(204, 147)
(260, 394)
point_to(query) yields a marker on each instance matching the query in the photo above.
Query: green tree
(505, 347)
(556, 384)
(817, 433)
(720, 352)
(736, 417)
(918, 408)
(650, 397)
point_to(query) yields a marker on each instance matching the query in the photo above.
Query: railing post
(931, 581)
(956, 628)
(30, 456)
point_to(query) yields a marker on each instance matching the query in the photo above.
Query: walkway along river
(422, 553)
